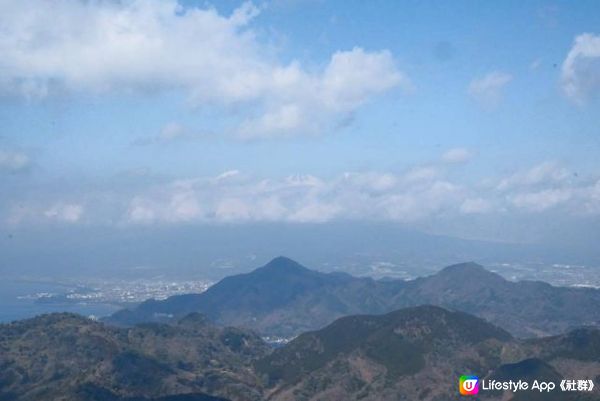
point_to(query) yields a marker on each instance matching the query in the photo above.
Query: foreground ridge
(408, 354)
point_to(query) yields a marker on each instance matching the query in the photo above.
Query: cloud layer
(418, 194)
(147, 46)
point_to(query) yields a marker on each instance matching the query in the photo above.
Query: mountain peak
(464, 266)
(282, 263)
(401, 341)
(468, 270)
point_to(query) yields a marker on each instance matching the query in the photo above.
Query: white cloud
(369, 73)
(171, 205)
(315, 212)
(488, 89)
(423, 174)
(184, 207)
(141, 211)
(13, 162)
(129, 45)
(302, 103)
(227, 174)
(69, 213)
(377, 182)
(416, 195)
(232, 209)
(456, 156)
(475, 206)
(548, 186)
(149, 46)
(591, 205)
(410, 196)
(541, 174)
(171, 131)
(540, 200)
(580, 72)
(595, 193)
(421, 202)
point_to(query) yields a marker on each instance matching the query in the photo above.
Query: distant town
(120, 292)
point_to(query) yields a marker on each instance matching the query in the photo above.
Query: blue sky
(457, 115)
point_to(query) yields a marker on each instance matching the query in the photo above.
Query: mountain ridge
(284, 298)
(414, 353)
(418, 353)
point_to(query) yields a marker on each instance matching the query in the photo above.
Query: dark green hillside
(416, 353)
(376, 355)
(53, 355)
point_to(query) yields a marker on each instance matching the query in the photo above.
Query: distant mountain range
(411, 354)
(285, 299)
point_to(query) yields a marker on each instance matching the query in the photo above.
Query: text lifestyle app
(469, 385)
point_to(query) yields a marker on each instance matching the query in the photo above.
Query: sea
(15, 305)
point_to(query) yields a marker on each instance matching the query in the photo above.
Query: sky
(472, 119)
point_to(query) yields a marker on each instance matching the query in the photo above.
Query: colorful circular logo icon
(469, 385)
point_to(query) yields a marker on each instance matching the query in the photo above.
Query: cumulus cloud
(302, 103)
(13, 162)
(416, 195)
(540, 200)
(548, 186)
(37, 212)
(580, 73)
(592, 199)
(176, 207)
(456, 156)
(149, 46)
(487, 90)
(231, 197)
(546, 173)
(545, 186)
(130, 45)
(421, 174)
(70, 212)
